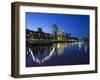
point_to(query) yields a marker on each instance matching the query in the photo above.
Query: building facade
(37, 35)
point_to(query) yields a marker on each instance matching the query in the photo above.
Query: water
(75, 53)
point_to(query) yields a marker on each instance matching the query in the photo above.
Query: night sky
(77, 25)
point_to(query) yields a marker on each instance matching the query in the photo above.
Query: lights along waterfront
(44, 49)
(75, 53)
(56, 39)
(58, 48)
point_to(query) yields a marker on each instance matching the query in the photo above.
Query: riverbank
(46, 42)
(39, 42)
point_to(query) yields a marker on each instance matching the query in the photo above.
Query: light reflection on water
(58, 54)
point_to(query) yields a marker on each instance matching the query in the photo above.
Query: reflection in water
(37, 60)
(61, 47)
(80, 45)
(57, 54)
(86, 48)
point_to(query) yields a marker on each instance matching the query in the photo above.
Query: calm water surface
(75, 53)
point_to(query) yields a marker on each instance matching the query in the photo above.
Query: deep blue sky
(77, 25)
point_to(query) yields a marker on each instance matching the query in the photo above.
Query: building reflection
(81, 44)
(41, 54)
(61, 47)
(86, 48)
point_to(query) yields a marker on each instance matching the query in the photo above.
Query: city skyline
(77, 25)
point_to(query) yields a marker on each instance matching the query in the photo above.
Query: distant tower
(60, 34)
(63, 34)
(55, 30)
(40, 29)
